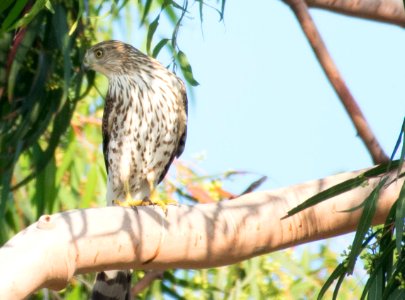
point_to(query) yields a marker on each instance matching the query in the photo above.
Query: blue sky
(264, 104)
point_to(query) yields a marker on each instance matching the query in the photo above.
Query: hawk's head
(113, 58)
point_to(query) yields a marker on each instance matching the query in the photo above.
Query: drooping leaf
(345, 186)
(186, 68)
(367, 215)
(13, 14)
(159, 47)
(400, 220)
(146, 10)
(151, 32)
(4, 5)
(36, 8)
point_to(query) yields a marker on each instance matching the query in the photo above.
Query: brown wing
(182, 141)
(106, 128)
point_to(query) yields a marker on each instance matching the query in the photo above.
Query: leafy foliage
(50, 158)
(380, 248)
(42, 44)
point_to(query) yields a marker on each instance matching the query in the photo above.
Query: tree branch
(308, 26)
(49, 252)
(387, 11)
(147, 280)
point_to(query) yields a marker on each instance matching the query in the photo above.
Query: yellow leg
(128, 202)
(151, 177)
(154, 199)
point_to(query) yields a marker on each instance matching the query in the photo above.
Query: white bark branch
(49, 252)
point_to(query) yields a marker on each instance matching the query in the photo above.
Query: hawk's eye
(98, 53)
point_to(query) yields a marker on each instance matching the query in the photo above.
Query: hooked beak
(85, 64)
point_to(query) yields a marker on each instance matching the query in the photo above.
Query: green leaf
(378, 265)
(78, 18)
(146, 9)
(338, 285)
(337, 273)
(6, 181)
(5, 4)
(366, 218)
(343, 187)
(20, 56)
(13, 14)
(151, 32)
(375, 291)
(49, 6)
(397, 144)
(45, 191)
(399, 220)
(186, 68)
(38, 6)
(159, 47)
(222, 9)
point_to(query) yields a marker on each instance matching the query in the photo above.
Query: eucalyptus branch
(201, 236)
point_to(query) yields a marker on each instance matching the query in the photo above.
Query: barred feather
(144, 128)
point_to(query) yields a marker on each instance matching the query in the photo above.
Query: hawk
(144, 128)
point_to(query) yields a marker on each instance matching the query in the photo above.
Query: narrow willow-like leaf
(370, 206)
(338, 285)
(396, 147)
(78, 18)
(337, 273)
(172, 293)
(13, 14)
(159, 47)
(376, 288)
(398, 142)
(5, 4)
(5, 186)
(38, 6)
(222, 9)
(394, 284)
(186, 68)
(20, 56)
(200, 10)
(378, 265)
(386, 243)
(399, 220)
(343, 187)
(177, 26)
(328, 193)
(398, 294)
(146, 9)
(178, 6)
(151, 32)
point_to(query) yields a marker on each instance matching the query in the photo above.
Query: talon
(128, 203)
(154, 201)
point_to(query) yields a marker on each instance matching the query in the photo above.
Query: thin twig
(146, 281)
(300, 9)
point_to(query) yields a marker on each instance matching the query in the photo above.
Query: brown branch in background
(147, 280)
(301, 11)
(387, 11)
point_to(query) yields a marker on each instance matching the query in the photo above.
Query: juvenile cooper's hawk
(144, 128)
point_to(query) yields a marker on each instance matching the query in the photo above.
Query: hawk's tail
(112, 285)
